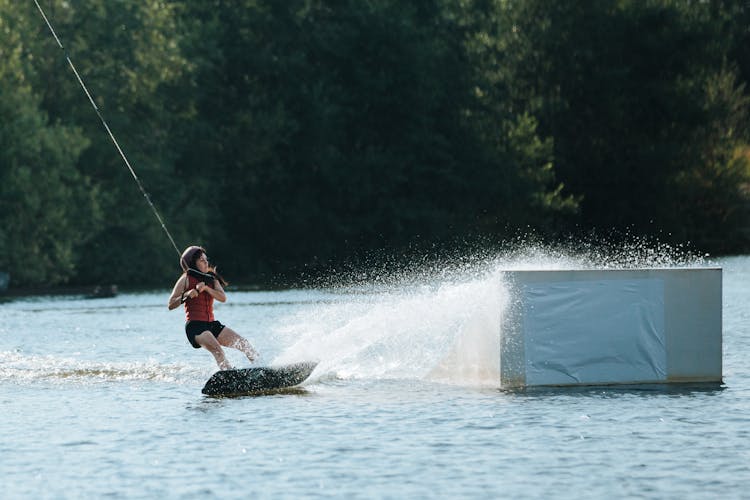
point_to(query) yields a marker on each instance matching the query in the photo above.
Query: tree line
(291, 138)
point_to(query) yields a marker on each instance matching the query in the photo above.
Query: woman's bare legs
(230, 338)
(209, 342)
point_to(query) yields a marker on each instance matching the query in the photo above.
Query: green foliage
(714, 200)
(296, 136)
(629, 90)
(358, 118)
(42, 195)
(128, 54)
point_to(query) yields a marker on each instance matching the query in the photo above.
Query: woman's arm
(177, 296)
(217, 292)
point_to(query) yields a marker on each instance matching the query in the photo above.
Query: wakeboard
(258, 379)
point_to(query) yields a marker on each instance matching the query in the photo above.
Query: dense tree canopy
(293, 137)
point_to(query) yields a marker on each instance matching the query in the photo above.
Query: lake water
(101, 398)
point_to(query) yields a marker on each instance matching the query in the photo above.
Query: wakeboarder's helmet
(188, 256)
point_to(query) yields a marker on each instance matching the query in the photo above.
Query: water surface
(101, 398)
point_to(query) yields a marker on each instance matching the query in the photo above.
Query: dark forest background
(294, 137)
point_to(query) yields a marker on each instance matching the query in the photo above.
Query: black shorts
(195, 328)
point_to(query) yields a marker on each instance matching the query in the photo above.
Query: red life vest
(201, 308)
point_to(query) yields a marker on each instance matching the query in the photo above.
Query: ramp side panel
(612, 326)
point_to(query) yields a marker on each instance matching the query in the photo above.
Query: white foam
(441, 323)
(444, 331)
(20, 367)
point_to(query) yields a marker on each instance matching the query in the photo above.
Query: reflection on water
(618, 390)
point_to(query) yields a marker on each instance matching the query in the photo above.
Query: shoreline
(106, 291)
